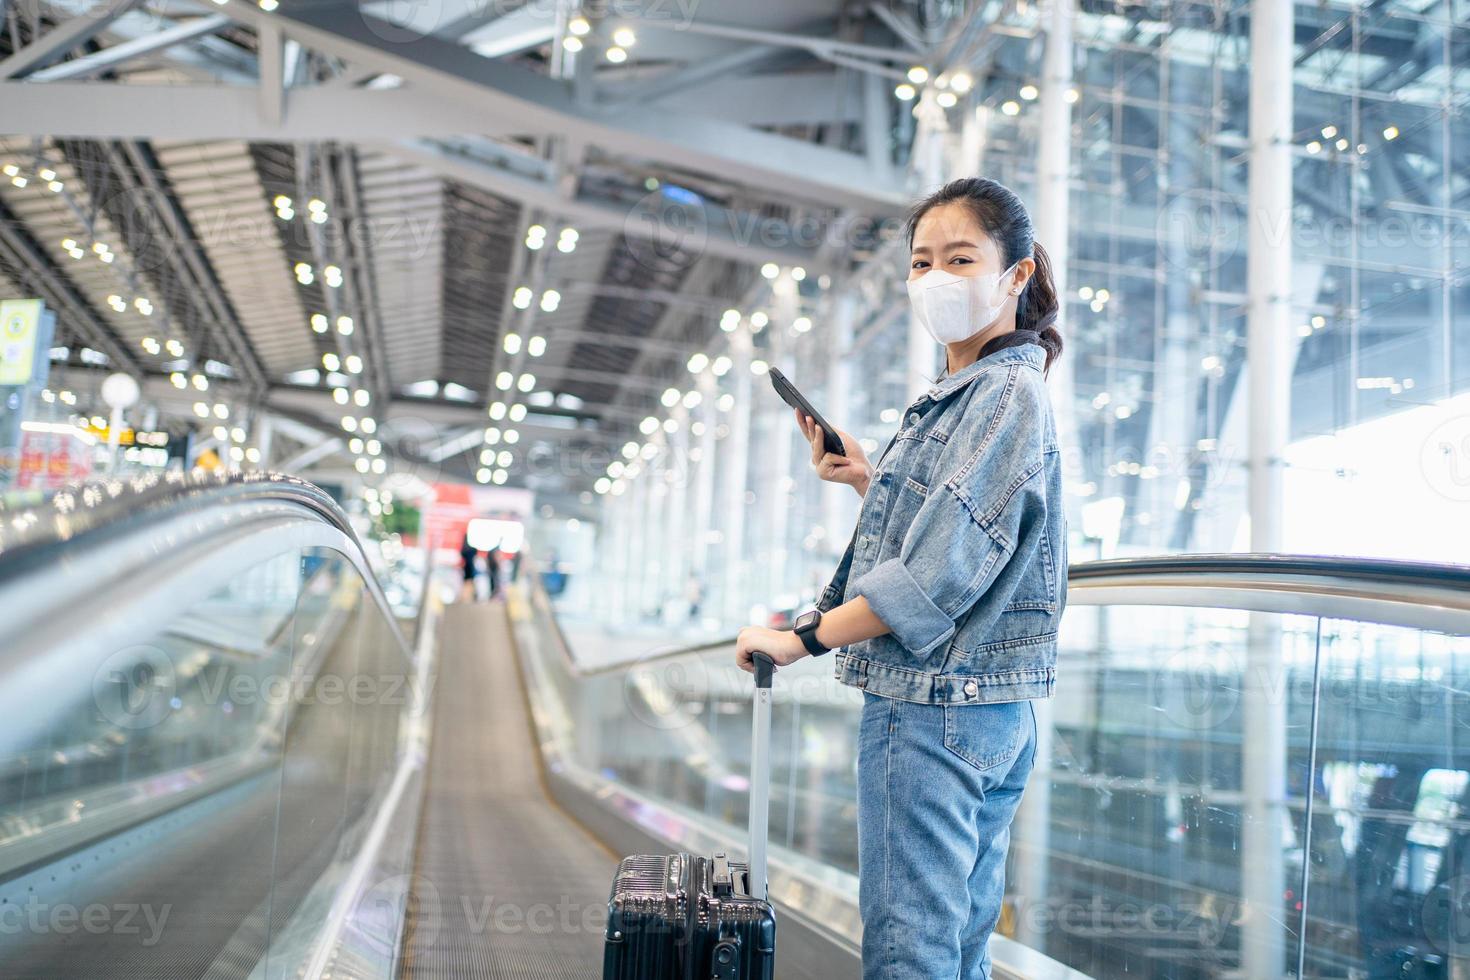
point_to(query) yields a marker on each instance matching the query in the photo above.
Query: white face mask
(953, 307)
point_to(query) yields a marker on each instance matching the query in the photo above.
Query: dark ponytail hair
(1003, 217)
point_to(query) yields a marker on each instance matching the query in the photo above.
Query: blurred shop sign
(20, 331)
(53, 455)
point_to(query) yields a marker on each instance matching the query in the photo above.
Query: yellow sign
(19, 321)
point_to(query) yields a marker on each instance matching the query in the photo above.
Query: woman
(947, 600)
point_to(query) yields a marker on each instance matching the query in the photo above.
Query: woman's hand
(852, 469)
(782, 646)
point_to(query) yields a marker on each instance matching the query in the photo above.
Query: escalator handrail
(97, 510)
(1341, 567)
(1339, 578)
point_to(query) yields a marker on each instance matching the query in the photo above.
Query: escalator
(506, 884)
(222, 757)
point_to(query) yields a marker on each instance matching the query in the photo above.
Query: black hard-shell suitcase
(689, 917)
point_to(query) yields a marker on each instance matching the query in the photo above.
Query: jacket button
(913, 418)
(971, 687)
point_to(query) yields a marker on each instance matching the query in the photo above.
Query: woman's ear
(1022, 275)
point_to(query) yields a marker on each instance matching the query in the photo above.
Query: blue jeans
(938, 785)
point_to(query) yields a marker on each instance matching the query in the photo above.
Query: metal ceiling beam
(816, 44)
(62, 38)
(363, 282)
(203, 112)
(118, 54)
(693, 75)
(59, 293)
(712, 239)
(511, 98)
(196, 267)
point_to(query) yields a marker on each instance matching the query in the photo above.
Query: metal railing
(185, 669)
(1237, 742)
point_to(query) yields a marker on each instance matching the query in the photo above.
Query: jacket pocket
(987, 736)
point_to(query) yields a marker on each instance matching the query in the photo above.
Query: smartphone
(831, 441)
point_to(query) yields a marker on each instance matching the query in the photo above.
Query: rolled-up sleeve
(963, 534)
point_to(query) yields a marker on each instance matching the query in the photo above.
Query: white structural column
(677, 478)
(930, 158)
(615, 545)
(1268, 367)
(1051, 219)
(637, 543)
(839, 503)
(737, 461)
(704, 477)
(779, 424)
(1053, 211)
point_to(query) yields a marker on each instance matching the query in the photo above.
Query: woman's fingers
(814, 436)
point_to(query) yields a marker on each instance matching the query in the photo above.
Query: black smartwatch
(806, 628)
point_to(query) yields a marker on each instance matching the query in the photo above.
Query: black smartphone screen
(830, 440)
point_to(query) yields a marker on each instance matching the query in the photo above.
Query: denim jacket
(961, 543)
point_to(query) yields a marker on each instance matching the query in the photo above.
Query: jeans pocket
(986, 736)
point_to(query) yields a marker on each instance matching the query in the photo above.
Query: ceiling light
(578, 26)
(624, 37)
(615, 55)
(904, 92)
(918, 74)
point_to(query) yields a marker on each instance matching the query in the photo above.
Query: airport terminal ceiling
(405, 232)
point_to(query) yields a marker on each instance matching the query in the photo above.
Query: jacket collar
(1029, 354)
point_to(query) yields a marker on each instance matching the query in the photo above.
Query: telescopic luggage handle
(760, 773)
